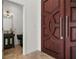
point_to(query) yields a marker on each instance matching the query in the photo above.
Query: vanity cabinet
(8, 41)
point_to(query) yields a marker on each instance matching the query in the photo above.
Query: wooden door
(53, 28)
(70, 46)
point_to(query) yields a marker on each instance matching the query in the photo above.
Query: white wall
(31, 25)
(1, 43)
(17, 11)
(21, 2)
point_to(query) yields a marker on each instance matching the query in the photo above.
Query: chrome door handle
(66, 26)
(61, 35)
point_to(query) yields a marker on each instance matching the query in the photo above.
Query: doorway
(12, 30)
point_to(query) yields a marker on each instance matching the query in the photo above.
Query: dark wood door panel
(52, 12)
(73, 34)
(51, 5)
(73, 52)
(73, 0)
(70, 48)
(51, 42)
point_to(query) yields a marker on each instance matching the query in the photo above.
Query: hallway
(16, 53)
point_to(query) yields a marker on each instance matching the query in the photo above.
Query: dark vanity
(8, 40)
